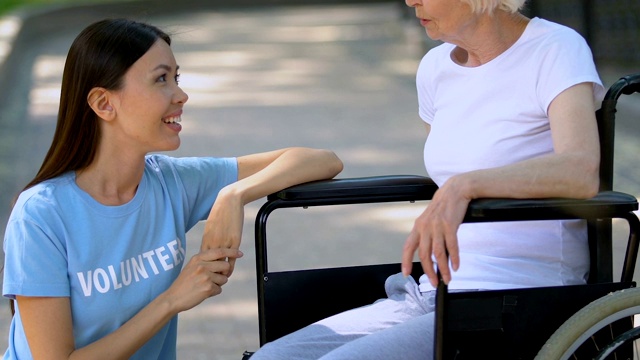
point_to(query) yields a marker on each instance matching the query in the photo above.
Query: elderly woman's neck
(492, 36)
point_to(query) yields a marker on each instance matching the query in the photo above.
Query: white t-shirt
(493, 115)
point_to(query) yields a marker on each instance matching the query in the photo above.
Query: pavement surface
(329, 75)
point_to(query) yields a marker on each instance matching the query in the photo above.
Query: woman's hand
(223, 228)
(201, 278)
(434, 233)
(260, 175)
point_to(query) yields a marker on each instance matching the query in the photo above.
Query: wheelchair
(593, 321)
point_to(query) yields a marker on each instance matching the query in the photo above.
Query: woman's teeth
(172, 120)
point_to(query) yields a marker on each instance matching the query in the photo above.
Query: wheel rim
(628, 312)
(622, 339)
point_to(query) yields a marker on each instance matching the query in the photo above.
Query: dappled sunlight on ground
(215, 310)
(45, 92)
(9, 27)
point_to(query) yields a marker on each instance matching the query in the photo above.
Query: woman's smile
(173, 122)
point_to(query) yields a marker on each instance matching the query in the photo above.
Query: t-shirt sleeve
(199, 179)
(567, 61)
(428, 79)
(40, 271)
(425, 87)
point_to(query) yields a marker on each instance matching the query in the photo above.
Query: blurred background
(612, 27)
(336, 74)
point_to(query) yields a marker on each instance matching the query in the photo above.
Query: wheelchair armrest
(360, 190)
(606, 204)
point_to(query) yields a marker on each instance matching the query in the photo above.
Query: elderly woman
(509, 106)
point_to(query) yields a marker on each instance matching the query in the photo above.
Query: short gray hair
(480, 6)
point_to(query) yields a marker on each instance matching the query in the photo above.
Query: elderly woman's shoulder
(550, 28)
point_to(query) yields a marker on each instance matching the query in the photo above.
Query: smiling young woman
(95, 244)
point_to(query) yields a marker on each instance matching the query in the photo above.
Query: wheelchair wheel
(603, 329)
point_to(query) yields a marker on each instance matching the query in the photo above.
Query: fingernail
(240, 253)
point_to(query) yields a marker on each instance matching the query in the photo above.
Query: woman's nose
(413, 3)
(181, 96)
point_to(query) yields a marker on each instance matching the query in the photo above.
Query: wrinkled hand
(223, 228)
(434, 235)
(201, 278)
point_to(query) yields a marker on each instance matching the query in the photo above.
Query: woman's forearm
(293, 166)
(559, 175)
(49, 329)
(132, 335)
(260, 175)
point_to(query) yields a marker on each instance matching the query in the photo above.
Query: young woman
(508, 103)
(95, 244)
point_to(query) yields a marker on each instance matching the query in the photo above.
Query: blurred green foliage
(8, 5)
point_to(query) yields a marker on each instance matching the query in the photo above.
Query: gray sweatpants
(398, 327)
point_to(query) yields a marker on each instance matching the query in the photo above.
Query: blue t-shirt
(110, 260)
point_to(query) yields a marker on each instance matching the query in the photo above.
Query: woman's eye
(162, 78)
(177, 78)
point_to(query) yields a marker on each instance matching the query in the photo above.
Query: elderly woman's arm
(571, 171)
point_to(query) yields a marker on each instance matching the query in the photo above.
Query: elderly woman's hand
(434, 233)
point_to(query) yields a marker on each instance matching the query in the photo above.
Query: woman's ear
(99, 100)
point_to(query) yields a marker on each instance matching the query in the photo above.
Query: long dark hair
(99, 57)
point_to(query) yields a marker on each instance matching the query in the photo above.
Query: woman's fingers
(441, 255)
(408, 251)
(453, 251)
(232, 265)
(229, 257)
(202, 277)
(434, 236)
(220, 254)
(219, 279)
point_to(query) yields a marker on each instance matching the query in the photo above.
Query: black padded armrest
(375, 188)
(607, 204)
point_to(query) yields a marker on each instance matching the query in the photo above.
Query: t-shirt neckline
(523, 37)
(111, 210)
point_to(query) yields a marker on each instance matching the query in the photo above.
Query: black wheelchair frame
(501, 324)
